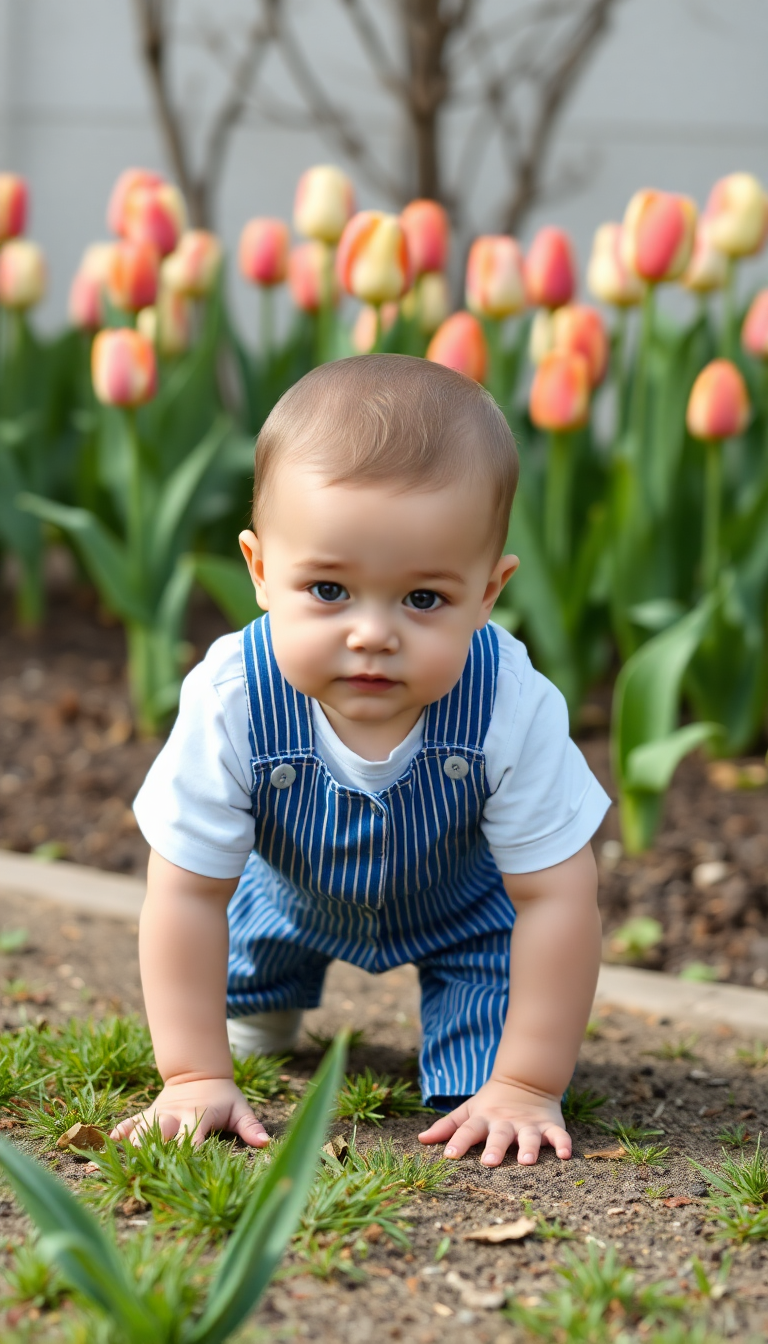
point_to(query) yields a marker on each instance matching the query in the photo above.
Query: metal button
(282, 776)
(456, 767)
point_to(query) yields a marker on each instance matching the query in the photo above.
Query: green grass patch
(738, 1202)
(581, 1106)
(370, 1097)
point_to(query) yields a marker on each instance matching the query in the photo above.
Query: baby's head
(382, 492)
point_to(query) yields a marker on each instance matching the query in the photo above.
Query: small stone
(611, 854)
(698, 1075)
(699, 1190)
(466, 1318)
(708, 874)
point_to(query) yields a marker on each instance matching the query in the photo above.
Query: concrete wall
(675, 97)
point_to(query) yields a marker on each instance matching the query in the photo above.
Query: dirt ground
(77, 964)
(70, 767)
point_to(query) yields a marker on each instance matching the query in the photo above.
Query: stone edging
(109, 894)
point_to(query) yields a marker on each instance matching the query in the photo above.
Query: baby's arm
(553, 972)
(183, 945)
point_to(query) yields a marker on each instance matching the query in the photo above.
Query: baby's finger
(167, 1123)
(125, 1128)
(528, 1144)
(560, 1140)
(501, 1136)
(467, 1135)
(445, 1127)
(250, 1130)
(194, 1126)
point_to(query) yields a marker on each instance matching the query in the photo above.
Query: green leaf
(533, 594)
(20, 532)
(652, 765)
(176, 495)
(229, 584)
(263, 1232)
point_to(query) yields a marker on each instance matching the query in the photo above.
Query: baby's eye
(329, 592)
(423, 599)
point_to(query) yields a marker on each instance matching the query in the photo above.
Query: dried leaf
(676, 1201)
(81, 1136)
(337, 1147)
(522, 1227)
(606, 1154)
(474, 1296)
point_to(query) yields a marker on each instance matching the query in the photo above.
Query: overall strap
(279, 718)
(463, 715)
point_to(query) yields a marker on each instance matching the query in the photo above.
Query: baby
(373, 771)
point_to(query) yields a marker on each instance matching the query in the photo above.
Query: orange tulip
(22, 274)
(737, 215)
(310, 273)
(429, 302)
(495, 283)
(460, 344)
(263, 251)
(550, 269)
(579, 329)
(608, 278)
(192, 269)
(324, 202)
(560, 391)
(168, 324)
(365, 330)
(428, 233)
(133, 275)
(154, 214)
(754, 333)
(126, 182)
(718, 406)
(123, 367)
(13, 205)
(658, 234)
(372, 262)
(86, 295)
(708, 267)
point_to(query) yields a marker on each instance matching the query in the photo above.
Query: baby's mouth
(365, 681)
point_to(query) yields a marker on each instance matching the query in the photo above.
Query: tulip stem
(267, 323)
(711, 530)
(640, 390)
(557, 500)
(619, 370)
(325, 311)
(135, 503)
(729, 311)
(376, 347)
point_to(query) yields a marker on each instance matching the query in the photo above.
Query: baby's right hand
(197, 1108)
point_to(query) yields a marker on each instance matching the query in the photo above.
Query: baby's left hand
(503, 1114)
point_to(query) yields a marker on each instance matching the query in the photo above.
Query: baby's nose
(374, 632)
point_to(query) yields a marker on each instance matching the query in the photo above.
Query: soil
(70, 766)
(78, 964)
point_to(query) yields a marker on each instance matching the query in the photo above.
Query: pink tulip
(133, 276)
(460, 344)
(154, 214)
(324, 202)
(579, 329)
(718, 406)
(123, 367)
(126, 182)
(495, 282)
(737, 215)
(310, 273)
(372, 262)
(550, 269)
(192, 269)
(263, 251)
(13, 205)
(608, 277)
(428, 234)
(560, 392)
(168, 324)
(658, 234)
(86, 295)
(22, 274)
(754, 333)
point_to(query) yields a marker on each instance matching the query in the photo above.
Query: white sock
(264, 1033)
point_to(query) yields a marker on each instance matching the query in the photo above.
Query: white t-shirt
(194, 807)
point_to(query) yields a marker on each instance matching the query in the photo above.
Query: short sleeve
(545, 803)
(194, 807)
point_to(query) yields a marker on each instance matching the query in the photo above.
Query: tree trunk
(426, 35)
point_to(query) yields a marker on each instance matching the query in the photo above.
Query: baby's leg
(268, 989)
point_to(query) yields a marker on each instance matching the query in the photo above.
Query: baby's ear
(500, 575)
(251, 548)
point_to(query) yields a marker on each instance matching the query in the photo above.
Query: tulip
(262, 253)
(428, 233)
(22, 274)
(167, 324)
(737, 215)
(130, 178)
(495, 283)
(86, 295)
(579, 329)
(658, 234)
(372, 262)
(428, 303)
(311, 276)
(155, 214)
(608, 278)
(718, 408)
(708, 266)
(192, 269)
(460, 344)
(560, 391)
(324, 202)
(550, 269)
(123, 367)
(133, 275)
(13, 205)
(754, 333)
(371, 324)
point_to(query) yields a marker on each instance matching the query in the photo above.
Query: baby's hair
(392, 419)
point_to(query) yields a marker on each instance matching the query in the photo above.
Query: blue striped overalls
(378, 880)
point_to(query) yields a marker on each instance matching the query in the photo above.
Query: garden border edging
(95, 892)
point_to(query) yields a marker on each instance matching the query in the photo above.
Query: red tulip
(133, 275)
(130, 178)
(754, 333)
(192, 269)
(123, 367)
(579, 329)
(263, 251)
(658, 234)
(460, 344)
(560, 391)
(372, 262)
(155, 214)
(550, 269)
(737, 215)
(324, 202)
(428, 234)
(13, 205)
(86, 295)
(718, 406)
(495, 283)
(22, 273)
(608, 277)
(310, 273)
